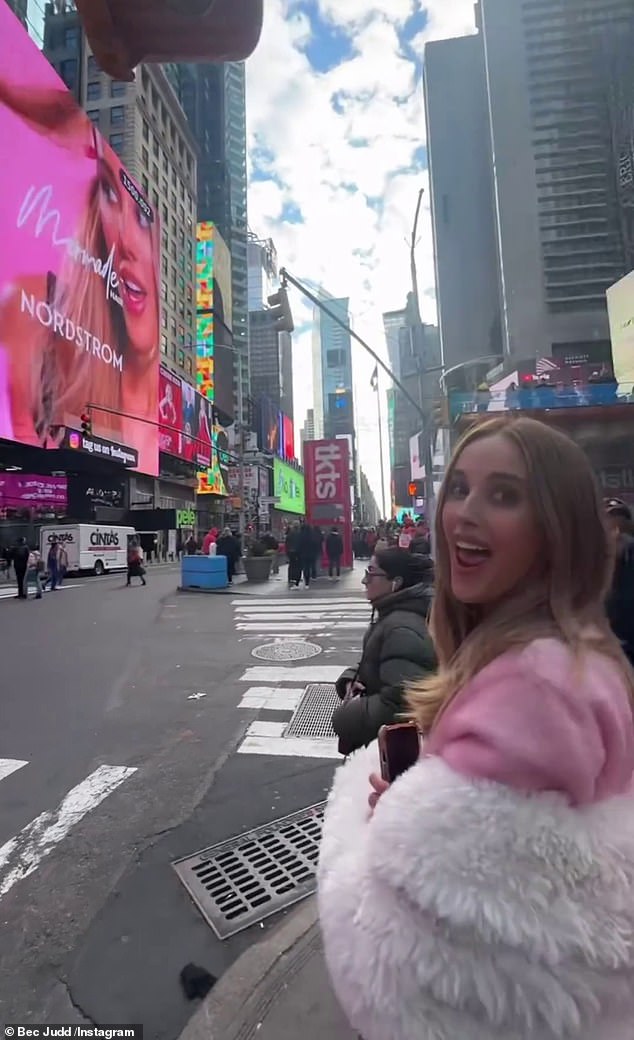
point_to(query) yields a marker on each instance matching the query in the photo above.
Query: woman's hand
(379, 786)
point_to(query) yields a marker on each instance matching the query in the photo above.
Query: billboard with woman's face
(79, 299)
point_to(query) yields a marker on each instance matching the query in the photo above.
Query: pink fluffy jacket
(491, 894)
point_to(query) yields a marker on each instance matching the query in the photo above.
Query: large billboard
(327, 473)
(621, 313)
(187, 430)
(288, 486)
(214, 306)
(79, 263)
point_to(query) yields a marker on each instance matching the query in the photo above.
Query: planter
(257, 568)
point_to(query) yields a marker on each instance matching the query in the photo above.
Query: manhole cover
(246, 879)
(286, 651)
(313, 716)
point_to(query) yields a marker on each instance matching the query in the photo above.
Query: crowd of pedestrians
(488, 890)
(31, 569)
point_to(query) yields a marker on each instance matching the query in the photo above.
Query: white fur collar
(466, 911)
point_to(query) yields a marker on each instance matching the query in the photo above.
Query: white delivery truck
(90, 547)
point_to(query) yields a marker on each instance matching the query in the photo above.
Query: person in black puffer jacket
(397, 647)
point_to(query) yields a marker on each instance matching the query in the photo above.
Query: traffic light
(86, 424)
(411, 489)
(281, 309)
(124, 33)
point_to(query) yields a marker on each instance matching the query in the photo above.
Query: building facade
(146, 127)
(262, 260)
(308, 429)
(213, 97)
(547, 108)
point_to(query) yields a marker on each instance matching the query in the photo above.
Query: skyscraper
(537, 84)
(262, 260)
(271, 361)
(213, 97)
(332, 371)
(462, 203)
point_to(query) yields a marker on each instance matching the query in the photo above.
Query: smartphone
(399, 749)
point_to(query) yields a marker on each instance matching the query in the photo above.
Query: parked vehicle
(90, 547)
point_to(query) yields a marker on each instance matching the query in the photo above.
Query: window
(155, 146)
(164, 187)
(164, 290)
(165, 265)
(174, 249)
(116, 142)
(145, 157)
(145, 184)
(155, 199)
(93, 91)
(335, 358)
(189, 366)
(163, 343)
(93, 115)
(93, 68)
(155, 173)
(164, 319)
(173, 328)
(181, 286)
(117, 89)
(181, 335)
(189, 294)
(68, 72)
(173, 201)
(181, 359)
(173, 300)
(117, 115)
(146, 131)
(165, 214)
(165, 163)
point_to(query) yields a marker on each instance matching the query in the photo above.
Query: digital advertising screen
(79, 273)
(170, 412)
(288, 486)
(621, 314)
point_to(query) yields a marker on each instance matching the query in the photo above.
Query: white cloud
(340, 146)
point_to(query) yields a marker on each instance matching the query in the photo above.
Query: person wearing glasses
(396, 648)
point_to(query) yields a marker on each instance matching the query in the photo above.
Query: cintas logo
(105, 538)
(327, 461)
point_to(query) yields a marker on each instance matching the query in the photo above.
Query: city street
(137, 728)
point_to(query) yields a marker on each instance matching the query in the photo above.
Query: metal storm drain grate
(313, 715)
(246, 879)
(288, 650)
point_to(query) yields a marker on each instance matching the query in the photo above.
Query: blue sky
(337, 151)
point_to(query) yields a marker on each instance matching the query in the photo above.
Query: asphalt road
(129, 700)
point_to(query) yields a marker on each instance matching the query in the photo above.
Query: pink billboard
(327, 474)
(30, 490)
(170, 412)
(79, 297)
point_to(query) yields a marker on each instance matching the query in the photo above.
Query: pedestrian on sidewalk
(135, 563)
(52, 562)
(397, 647)
(294, 559)
(35, 573)
(489, 891)
(227, 545)
(20, 559)
(334, 550)
(306, 549)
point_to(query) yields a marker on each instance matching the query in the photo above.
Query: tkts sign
(327, 472)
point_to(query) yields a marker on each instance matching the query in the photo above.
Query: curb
(240, 1000)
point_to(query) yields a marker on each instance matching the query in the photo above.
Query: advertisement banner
(31, 491)
(417, 457)
(327, 472)
(224, 352)
(289, 487)
(190, 422)
(288, 438)
(79, 281)
(215, 479)
(204, 308)
(170, 412)
(621, 315)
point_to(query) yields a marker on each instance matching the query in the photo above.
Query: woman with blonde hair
(488, 893)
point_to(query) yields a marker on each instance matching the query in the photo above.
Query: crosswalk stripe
(271, 698)
(21, 855)
(325, 673)
(12, 593)
(266, 738)
(10, 765)
(302, 626)
(302, 603)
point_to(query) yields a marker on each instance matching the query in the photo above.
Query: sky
(337, 156)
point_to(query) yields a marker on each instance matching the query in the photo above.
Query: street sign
(270, 500)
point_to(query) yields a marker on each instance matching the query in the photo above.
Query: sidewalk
(348, 585)
(277, 990)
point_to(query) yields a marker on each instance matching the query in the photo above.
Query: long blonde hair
(565, 599)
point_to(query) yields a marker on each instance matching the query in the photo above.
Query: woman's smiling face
(127, 227)
(488, 521)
